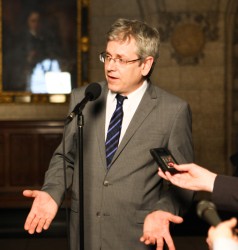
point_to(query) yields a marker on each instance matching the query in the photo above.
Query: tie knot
(120, 99)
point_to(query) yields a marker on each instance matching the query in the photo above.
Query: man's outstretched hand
(156, 229)
(43, 211)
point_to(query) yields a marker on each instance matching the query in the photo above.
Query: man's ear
(146, 65)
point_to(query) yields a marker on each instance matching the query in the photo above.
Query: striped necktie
(114, 130)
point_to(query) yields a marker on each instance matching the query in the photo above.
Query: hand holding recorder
(190, 176)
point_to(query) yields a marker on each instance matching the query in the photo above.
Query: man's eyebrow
(117, 55)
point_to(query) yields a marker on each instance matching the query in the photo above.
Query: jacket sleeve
(225, 194)
(58, 172)
(175, 199)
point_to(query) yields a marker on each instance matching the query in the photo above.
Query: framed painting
(43, 43)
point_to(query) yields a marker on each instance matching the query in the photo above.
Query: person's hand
(190, 176)
(156, 229)
(224, 229)
(43, 211)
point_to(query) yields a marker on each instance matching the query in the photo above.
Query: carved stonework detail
(188, 34)
(186, 31)
(188, 40)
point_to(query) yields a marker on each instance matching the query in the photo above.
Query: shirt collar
(132, 95)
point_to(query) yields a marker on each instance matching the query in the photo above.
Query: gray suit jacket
(117, 201)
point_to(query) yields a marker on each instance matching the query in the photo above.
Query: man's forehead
(120, 47)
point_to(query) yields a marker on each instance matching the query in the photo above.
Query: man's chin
(114, 88)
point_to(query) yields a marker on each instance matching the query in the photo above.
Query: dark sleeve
(225, 193)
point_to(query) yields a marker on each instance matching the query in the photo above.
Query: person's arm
(176, 200)
(225, 194)
(173, 201)
(191, 176)
(194, 177)
(54, 182)
(47, 201)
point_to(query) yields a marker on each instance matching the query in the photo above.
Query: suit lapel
(146, 105)
(100, 125)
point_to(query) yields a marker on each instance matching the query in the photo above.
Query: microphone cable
(92, 92)
(66, 191)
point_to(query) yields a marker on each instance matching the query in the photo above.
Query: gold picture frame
(14, 93)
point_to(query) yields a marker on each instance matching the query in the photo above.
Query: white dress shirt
(129, 107)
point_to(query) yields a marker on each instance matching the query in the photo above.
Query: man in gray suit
(124, 197)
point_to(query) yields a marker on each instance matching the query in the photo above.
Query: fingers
(31, 223)
(169, 241)
(159, 243)
(175, 219)
(47, 223)
(148, 239)
(43, 224)
(43, 211)
(142, 239)
(30, 193)
(162, 174)
(209, 243)
(165, 175)
(208, 239)
(232, 222)
(152, 240)
(36, 224)
(184, 167)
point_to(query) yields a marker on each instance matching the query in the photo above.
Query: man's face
(34, 23)
(125, 78)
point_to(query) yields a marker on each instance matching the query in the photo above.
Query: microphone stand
(80, 124)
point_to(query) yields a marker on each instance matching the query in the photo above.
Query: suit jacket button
(106, 183)
(98, 214)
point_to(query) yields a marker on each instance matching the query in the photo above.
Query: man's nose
(112, 65)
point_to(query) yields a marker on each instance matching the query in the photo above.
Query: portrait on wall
(39, 46)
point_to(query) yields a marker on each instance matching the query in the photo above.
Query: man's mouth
(112, 77)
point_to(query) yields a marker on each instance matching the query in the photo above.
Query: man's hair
(147, 38)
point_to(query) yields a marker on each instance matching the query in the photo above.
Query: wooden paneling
(22, 157)
(1, 160)
(26, 148)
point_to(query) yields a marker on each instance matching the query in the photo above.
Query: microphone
(92, 92)
(207, 211)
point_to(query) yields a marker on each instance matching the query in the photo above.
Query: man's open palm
(43, 211)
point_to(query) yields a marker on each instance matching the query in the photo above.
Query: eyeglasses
(105, 58)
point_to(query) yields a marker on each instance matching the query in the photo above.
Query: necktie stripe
(114, 125)
(115, 116)
(112, 138)
(112, 152)
(114, 130)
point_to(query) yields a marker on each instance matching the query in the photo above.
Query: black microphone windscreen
(93, 91)
(207, 211)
